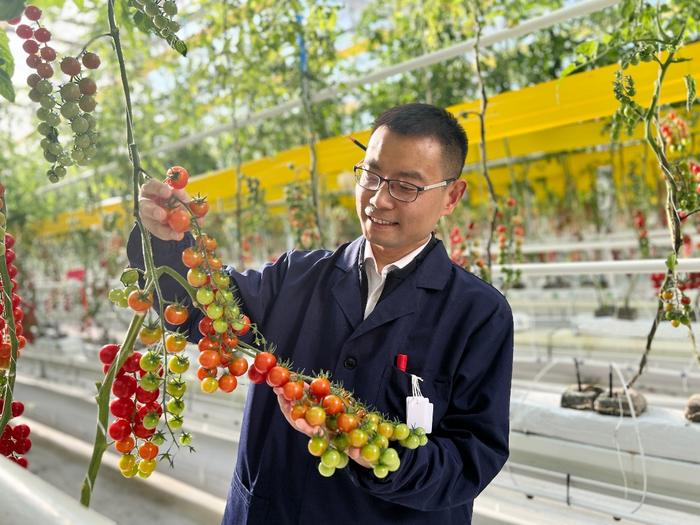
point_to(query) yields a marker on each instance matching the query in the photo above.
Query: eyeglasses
(400, 190)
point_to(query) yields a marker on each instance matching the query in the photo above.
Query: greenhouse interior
(412, 261)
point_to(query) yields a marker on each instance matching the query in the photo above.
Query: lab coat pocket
(395, 387)
(244, 506)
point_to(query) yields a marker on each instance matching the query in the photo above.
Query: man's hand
(152, 199)
(302, 426)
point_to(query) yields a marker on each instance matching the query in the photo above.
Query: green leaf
(690, 88)
(569, 69)
(6, 89)
(11, 9)
(588, 49)
(7, 68)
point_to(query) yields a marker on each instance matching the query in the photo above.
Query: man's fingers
(162, 231)
(150, 210)
(154, 189)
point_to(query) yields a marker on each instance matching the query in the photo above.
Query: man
(392, 291)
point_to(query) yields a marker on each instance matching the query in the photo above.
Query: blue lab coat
(457, 332)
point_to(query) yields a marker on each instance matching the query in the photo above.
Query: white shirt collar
(401, 263)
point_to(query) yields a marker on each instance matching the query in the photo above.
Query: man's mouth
(382, 222)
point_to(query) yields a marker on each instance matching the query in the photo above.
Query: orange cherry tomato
(175, 314)
(125, 445)
(209, 359)
(140, 301)
(192, 258)
(228, 383)
(238, 366)
(148, 450)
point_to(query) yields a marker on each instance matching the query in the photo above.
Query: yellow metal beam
(556, 116)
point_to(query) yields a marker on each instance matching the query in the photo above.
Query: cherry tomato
(278, 376)
(298, 411)
(179, 220)
(124, 386)
(178, 364)
(358, 437)
(140, 301)
(320, 387)
(122, 407)
(255, 376)
(203, 373)
(333, 405)
(228, 383)
(264, 362)
(293, 390)
(243, 327)
(192, 258)
(229, 341)
(209, 359)
(199, 207)
(146, 396)
(207, 343)
(175, 314)
(206, 326)
(206, 242)
(119, 430)
(209, 385)
(175, 342)
(125, 445)
(148, 450)
(315, 416)
(150, 334)
(317, 446)
(347, 422)
(108, 353)
(238, 366)
(177, 177)
(196, 277)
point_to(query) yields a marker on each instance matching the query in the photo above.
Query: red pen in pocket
(401, 362)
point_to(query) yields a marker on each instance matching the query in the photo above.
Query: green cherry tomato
(317, 446)
(204, 296)
(150, 382)
(149, 361)
(401, 431)
(325, 471)
(158, 438)
(214, 311)
(412, 441)
(185, 439)
(178, 364)
(150, 420)
(331, 458)
(221, 280)
(380, 471)
(370, 452)
(220, 326)
(344, 459)
(176, 406)
(175, 422)
(176, 387)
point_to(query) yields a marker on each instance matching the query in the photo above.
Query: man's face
(412, 159)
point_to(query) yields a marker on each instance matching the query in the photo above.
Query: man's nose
(381, 197)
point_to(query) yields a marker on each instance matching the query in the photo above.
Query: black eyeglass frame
(419, 189)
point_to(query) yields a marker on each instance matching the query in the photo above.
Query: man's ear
(455, 192)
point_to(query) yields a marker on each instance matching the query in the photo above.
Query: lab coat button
(350, 363)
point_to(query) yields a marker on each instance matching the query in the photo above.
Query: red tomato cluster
(14, 440)
(17, 311)
(136, 409)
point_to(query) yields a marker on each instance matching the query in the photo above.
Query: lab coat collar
(433, 273)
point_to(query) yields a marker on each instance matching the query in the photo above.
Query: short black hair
(425, 120)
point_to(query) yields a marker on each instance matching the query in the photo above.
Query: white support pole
(525, 28)
(643, 266)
